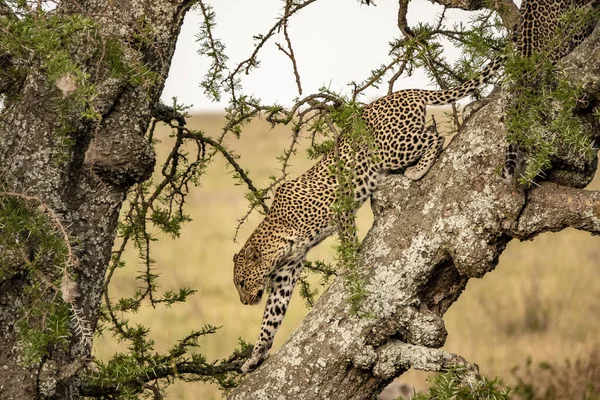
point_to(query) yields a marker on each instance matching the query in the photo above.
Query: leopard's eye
(242, 284)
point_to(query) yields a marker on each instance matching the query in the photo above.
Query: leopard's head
(250, 274)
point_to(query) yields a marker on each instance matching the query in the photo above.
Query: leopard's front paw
(252, 363)
(413, 173)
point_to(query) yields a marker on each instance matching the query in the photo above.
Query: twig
(290, 53)
(166, 370)
(251, 61)
(402, 23)
(239, 170)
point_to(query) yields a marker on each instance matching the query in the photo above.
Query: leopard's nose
(243, 298)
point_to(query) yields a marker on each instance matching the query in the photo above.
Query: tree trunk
(428, 239)
(84, 184)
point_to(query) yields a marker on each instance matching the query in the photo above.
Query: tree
(80, 82)
(431, 237)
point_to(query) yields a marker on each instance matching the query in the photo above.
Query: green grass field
(541, 301)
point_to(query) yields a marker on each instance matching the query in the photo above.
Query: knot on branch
(365, 357)
(422, 328)
(121, 158)
(168, 114)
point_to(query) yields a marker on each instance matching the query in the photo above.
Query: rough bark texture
(428, 239)
(86, 191)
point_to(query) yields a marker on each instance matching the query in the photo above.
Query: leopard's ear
(252, 254)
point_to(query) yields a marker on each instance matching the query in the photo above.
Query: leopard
(301, 214)
(539, 22)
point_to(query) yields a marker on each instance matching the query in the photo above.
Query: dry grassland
(541, 301)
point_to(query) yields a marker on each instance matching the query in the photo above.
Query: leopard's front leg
(434, 146)
(282, 285)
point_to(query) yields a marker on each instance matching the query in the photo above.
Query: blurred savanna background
(534, 321)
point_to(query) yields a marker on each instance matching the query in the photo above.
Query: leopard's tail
(447, 96)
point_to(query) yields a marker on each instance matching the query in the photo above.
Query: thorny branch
(165, 199)
(230, 159)
(176, 182)
(167, 369)
(290, 51)
(243, 107)
(214, 49)
(251, 61)
(68, 288)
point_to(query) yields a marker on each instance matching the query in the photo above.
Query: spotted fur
(301, 215)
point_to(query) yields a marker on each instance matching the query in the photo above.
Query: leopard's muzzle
(249, 299)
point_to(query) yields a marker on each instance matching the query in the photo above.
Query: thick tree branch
(553, 208)
(395, 355)
(582, 67)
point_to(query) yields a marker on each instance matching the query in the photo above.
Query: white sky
(335, 42)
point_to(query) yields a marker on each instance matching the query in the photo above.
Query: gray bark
(86, 191)
(428, 239)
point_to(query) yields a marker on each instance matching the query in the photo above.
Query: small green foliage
(28, 237)
(213, 48)
(254, 197)
(451, 386)
(306, 292)
(125, 372)
(478, 40)
(46, 37)
(347, 257)
(353, 141)
(167, 223)
(319, 149)
(326, 272)
(48, 40)
(44, 327)
(542, 118)
(26, 232)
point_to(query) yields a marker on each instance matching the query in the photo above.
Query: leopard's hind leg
(434, 145)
